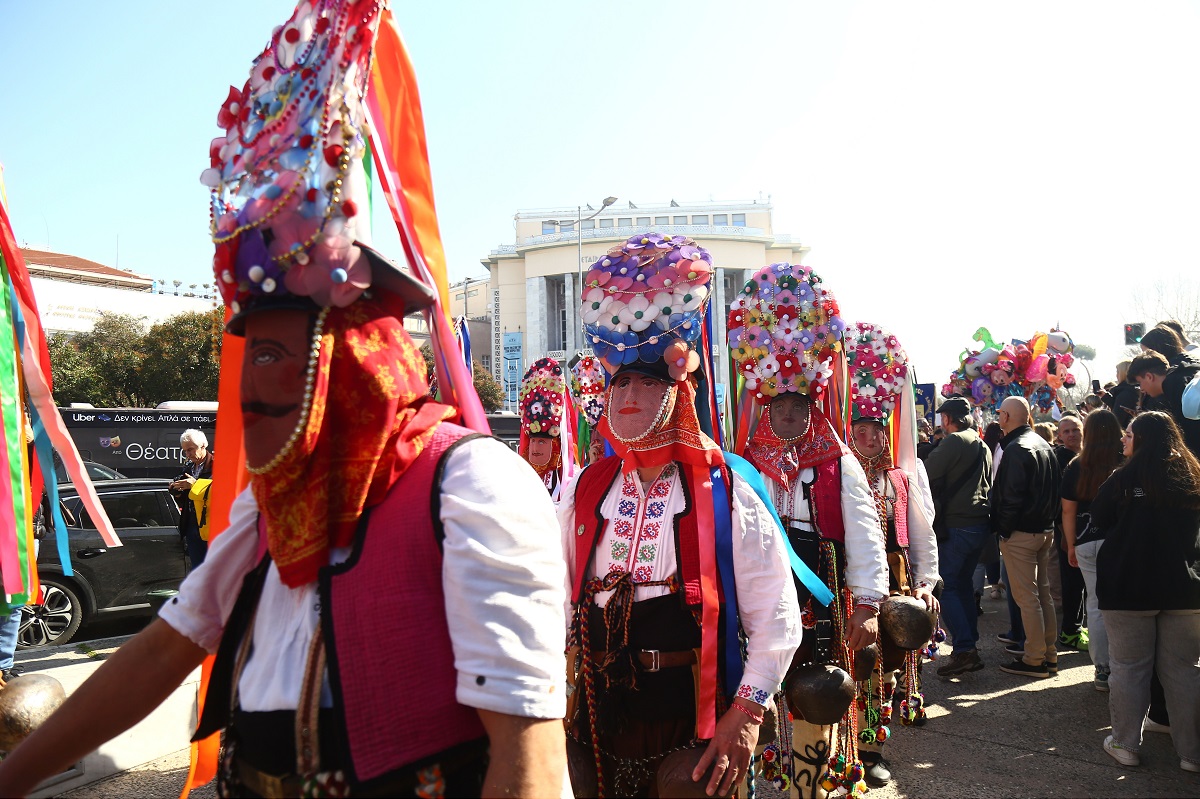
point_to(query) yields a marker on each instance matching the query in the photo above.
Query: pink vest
(391, 664)
(900, 483)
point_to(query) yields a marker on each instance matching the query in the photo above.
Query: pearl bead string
(314, 355)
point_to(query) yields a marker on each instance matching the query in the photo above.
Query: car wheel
(53, 622)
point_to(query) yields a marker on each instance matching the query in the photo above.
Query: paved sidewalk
(990, 735)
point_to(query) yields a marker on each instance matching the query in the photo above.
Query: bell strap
(308, 748)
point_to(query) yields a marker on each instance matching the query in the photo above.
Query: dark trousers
(195, 546)
(958, 555)
(1073, 591)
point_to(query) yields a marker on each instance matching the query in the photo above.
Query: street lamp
(579, 220)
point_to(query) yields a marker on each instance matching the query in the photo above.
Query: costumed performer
(883, 439)
(661, 698)
(545, 407)
(786, 335)
(368, 641)
(587, 387)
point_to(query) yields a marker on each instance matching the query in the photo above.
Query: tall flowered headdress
(882, 390)
(587, 386)
(543, 390)
(289, 190)
(785, 332)
(547, 412)
(644, 302)
(878, 371)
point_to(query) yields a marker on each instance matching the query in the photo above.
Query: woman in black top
(1148, 582)
(1100, 455)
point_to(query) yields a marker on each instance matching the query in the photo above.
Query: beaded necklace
(314, 355)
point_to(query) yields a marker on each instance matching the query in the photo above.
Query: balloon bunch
(1035, 369)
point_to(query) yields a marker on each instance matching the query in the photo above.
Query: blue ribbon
(811, 581)
(722, 517)
(45, 453)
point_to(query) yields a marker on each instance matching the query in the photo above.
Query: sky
(951, 165)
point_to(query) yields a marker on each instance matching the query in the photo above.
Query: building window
(627, 221)
(548, 227)
(702, 219)
(474, 293)
(606, 223)
(458, 296)
(643, 220)
(567, 227)
(739, 220)
(588, 224)
(679, 220)
(662, 220)
(720, 219)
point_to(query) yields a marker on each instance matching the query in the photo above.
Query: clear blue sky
(951, 165)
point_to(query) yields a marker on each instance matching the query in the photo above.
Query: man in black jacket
(1025, 502)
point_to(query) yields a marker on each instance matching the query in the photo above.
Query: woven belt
(265, 785)
(654, 660)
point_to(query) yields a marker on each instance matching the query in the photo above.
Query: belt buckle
(655, 659)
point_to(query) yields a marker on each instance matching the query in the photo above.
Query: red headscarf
(369, 419)
(782, 460)
(677, 438)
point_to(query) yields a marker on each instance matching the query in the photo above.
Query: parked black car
(107, 581)
(96, 471)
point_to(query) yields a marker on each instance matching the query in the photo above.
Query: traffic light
(1134, 332)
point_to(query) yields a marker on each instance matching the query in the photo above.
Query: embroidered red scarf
(782, 460)
(369, 420)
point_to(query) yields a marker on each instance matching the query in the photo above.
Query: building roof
(628, 208)
(60, 266)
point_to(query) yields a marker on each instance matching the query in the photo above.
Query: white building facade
(535, 282)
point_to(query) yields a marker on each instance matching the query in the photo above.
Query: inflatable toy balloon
(1036, 372)
(985, 338)
(981, 391)
(1060, 342)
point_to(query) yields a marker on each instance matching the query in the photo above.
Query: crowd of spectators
(1097, 516)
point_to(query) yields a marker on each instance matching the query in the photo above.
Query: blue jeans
(8, 638)
(958, 555)
(1016, 627)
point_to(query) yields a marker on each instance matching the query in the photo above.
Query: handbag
(942, 498)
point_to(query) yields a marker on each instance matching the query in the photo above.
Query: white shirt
(922, 541)
(866, 560)
(766, 596)
(503, 575)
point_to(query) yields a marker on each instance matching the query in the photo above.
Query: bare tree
(1176, 298)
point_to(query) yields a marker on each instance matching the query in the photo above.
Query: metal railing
(629, 230)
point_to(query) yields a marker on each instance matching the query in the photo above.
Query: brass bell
(25, 702)
(674, 776)
(906, 621)
(819, 694)
(865, 661)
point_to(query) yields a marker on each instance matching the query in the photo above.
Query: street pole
(577, 334)
(466, 289)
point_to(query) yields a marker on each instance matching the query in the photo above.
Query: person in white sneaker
(1148, 583)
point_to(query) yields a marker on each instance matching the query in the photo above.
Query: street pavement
(989, 735)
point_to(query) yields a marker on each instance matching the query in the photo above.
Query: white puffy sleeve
(866, 558)
(503, 574)
(922, 541)
(207, 595)
(766, 595)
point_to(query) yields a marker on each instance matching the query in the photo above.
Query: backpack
(1191, 398)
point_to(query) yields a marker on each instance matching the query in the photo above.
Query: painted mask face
(541, 450)
(639, 403)
(274, 368)
(789, 416)
(870, 438)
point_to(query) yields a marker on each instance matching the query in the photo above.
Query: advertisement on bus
(136, 442)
